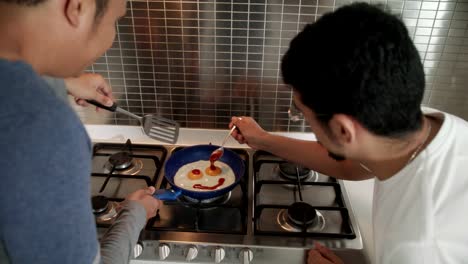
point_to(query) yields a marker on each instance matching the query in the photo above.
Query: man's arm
(86, 86)
(307, 153)
(118, 242)
(312, 155)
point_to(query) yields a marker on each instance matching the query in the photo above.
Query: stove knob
(192, 253)
(219, 253)
(137, 250)
(246, 255)
(164, 251)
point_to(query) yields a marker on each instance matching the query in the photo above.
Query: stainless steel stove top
(267, 218)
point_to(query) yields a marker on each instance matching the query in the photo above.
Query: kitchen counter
(359, 193)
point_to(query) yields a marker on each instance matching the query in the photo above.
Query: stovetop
(276, 205)
(281, 188)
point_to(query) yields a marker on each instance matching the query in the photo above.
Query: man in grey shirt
(45, 208)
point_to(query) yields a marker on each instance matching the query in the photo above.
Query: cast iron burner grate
(128, 161)
(302, 217)
(125, 178)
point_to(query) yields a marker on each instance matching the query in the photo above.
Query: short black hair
(101, 5)
(359, 61)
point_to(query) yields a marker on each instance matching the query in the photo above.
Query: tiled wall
(201, 62)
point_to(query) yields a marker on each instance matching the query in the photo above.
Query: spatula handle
(111, 108)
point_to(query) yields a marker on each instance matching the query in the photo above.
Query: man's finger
(327, 253)
(316, 258)
(105, 90)
(103, 87)
(104, 100)
(81, 102)
(237, 121)
(150, 190)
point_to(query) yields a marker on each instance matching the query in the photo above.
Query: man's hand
(145, 198)
(248, 132)
(89, 86)
(322, 255)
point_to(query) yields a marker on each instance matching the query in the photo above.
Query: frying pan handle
(167, 195)
(111, 108)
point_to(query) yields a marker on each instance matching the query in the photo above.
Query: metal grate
(201, 62)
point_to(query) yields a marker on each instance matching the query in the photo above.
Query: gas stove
(273, 215)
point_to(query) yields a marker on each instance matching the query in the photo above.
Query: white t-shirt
(421, 213)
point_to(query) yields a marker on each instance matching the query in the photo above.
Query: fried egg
(195, 174)
(213, 172)
(182, 180)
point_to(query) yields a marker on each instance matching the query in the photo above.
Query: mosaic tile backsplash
(201, 62)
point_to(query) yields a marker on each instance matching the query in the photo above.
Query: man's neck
(390, 157)
(21, 36)
(10, 47)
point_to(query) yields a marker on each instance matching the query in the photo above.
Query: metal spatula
(157, 127)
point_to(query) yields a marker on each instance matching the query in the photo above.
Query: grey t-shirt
(58, 87)
(45, 206)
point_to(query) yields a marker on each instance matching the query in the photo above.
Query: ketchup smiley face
(202, 187)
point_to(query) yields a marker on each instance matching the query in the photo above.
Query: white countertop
(360, 193)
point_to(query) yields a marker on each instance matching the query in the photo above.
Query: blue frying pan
(192, 154)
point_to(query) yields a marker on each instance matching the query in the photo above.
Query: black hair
(101, 5)
(359, 61)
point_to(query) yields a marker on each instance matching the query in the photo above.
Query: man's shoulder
(445, 115)
(25, 93)
(453, 127)
(16, 73)
(28, 105)
(22, 86)
(8, 66)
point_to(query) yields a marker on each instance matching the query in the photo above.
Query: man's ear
(343, 128)
(74, 10)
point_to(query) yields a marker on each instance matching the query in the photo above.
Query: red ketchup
(196, 172)
(214, 157)
(201, 187)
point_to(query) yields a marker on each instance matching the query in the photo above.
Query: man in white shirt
(358, 80)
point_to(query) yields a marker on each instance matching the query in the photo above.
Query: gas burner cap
(100, 204)
(301, 214)
(290, 171)
(121, 160)
(287, 224)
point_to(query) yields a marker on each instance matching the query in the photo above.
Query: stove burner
(289, 172)
(100, 204)
(134, 169)
(121, 160)
(301, 215)
(104, 209)
(212, 202)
